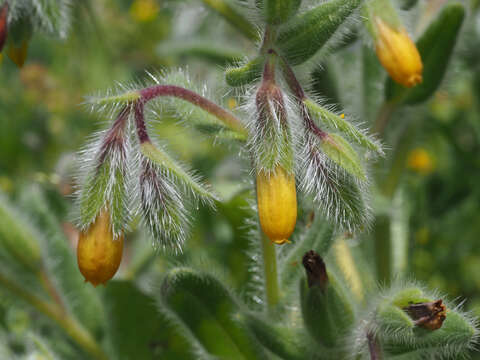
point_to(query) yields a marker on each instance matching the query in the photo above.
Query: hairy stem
(220, 113)
(270, 273)
(373, 347)
(68, 323)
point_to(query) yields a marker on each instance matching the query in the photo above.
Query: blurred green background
(43, 124)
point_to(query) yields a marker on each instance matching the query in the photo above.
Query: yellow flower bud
(398, 54)
(98, 253)
(277, 204)
(144, 10)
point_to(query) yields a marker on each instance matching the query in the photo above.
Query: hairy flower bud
(398, 54)
(277, 204)
(98, 253)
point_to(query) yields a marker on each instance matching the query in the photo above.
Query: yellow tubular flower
(398, 54)
(98, 253)
(277, 204)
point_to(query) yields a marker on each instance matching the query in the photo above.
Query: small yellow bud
(144, 10)
(98, 253)
(277, 204)
(420, 161)
(398, 54)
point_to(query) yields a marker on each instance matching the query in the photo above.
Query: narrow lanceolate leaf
(308, 32)
(246, 74)
(137, 330)
(336, 122)
(340, 152)
(192, 183)
(279, 340)
(207, 310)
(339, 196)
(162, 207)
(202, 49)
(279, 11)
(105, 177)
(17, 238)
(61, 263)
(435, 46)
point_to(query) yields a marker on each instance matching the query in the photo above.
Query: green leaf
(279, 11)
(163, 160)
(246, 74)
(136, 329)
(81, 300)
(207, 309)
(18, 238)
(435, 47)
(327, 313)
(202, 49)
(279, 340)
(336, 122)
(308, 32)
(339, 151)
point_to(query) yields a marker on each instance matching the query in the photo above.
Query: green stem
(233, 17)
(272, 291)
(69, 324)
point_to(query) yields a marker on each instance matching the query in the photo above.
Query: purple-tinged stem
(299, 93)
(373, 347)
(225, 116)
(115, 135)
(140, 123)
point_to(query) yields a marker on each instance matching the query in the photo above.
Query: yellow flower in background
(98, 253)
(144, 10)
(398, 54)
(277, 204)
(419, 160)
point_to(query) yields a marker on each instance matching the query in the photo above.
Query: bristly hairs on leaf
(161, 206)
(48, 16)
(270, 143)
(104, 178)
(340, 196)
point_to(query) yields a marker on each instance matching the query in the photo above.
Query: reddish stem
(299, 93)
(373, 347)
(140, 123)
(150, 93)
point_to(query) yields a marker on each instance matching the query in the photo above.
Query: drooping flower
(98, 253)
(277, 204)
(398, 54)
